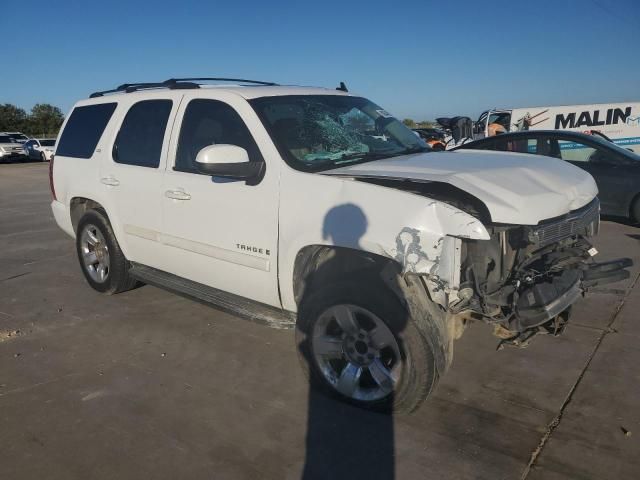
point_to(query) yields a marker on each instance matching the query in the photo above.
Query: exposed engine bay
(524, 279)
(527, 277)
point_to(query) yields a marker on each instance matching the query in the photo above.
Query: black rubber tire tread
(635, 210)
(119, 279)
(420, 374)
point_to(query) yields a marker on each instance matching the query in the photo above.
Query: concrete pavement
(147, 384)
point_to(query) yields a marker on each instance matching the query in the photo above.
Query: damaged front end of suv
(524, 279)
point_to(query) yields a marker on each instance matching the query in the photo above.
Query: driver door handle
(177, 195)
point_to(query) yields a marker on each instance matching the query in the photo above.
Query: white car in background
(17, 137)
(10, 149)
(40, 149)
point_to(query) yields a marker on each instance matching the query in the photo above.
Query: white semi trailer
(618, 121)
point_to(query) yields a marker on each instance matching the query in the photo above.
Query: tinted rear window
(140, 138)
(84, 129)
(47, 143)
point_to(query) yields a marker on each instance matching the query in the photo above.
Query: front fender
(421, 234)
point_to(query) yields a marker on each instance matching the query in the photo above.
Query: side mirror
(228, 161)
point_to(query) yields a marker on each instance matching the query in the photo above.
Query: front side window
(84, 129)
(319, 132)
(139, 141)
(211, 122)
(510, 144)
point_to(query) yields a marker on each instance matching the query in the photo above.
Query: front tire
(358, 343)
(103, 264)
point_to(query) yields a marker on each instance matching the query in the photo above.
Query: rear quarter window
(84, 129)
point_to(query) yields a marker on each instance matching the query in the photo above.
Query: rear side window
(84, 129)
(139, 141)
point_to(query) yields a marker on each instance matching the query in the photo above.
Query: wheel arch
(310, 258)
(79, 205)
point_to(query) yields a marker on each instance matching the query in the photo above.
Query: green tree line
(422, 124)
(44, 120)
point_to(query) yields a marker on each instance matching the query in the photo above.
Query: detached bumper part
(606, 272)
(544, 301)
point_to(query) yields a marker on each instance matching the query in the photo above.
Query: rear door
(221, 232)
(132, 169)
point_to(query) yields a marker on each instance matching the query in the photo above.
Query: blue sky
(417, 59)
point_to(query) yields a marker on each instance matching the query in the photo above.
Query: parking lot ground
(147, 384)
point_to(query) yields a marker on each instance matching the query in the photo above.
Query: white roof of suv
(248, 89)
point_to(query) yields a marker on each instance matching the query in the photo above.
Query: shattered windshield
(319, 132)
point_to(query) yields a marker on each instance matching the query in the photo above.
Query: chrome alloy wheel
(95, 253)
(356, 352)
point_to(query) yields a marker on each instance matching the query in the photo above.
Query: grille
(582, 221)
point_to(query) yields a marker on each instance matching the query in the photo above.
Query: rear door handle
(177, 195)
(110, 181)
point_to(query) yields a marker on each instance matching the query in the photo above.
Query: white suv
(317, 208)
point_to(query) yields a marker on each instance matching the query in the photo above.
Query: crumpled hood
(517, 188)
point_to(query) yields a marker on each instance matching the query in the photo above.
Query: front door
(219, 232)
(606, 169)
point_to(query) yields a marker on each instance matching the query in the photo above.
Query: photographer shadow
(342, 441)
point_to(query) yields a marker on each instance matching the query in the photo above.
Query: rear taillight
(53, 190)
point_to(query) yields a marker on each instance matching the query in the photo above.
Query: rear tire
(103, 264)
(386, 379)
(635, 210)
(43, 157)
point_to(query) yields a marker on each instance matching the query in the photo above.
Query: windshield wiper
(362, 156)
(356, 157)
(409, 151)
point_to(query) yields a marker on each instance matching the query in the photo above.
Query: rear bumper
(62, 217)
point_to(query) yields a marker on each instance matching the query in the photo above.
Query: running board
(227, 302)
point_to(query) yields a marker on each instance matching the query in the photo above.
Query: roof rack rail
(214, 79)
(174, 84)
(133, 87)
